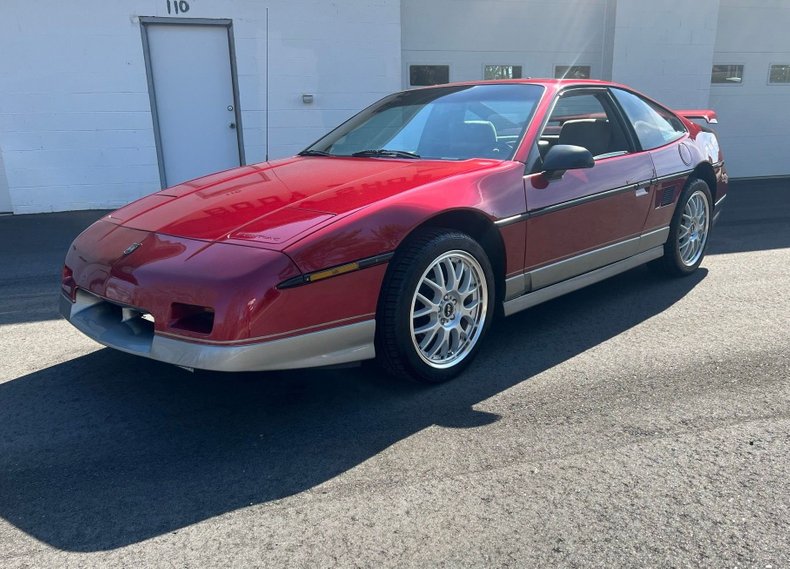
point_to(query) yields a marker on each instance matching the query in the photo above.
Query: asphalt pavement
(641, 422)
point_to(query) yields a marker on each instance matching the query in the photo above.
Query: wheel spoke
(452, 277)
(428, 339)
(438, 290)
(425, 311)
(441, 337)
(425, 300)
(439, 281)
(470, 320)
(454, 340)
(465, 284)
(432, 324)
(471, 308)
(445, 351)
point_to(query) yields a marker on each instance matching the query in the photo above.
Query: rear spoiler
(700, 114)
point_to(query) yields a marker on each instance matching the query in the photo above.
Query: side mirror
(561, 157)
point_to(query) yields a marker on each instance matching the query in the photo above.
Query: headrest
(482, 132)
(592, 134)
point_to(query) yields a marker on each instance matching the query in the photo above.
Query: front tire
(688, 231)
(435, 307)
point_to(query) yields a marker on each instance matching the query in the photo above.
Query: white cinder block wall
(665, 49)
(76, 129)
(75, 123)
(536, 34)
(754, 115)
(75, 120)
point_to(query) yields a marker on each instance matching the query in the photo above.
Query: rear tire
(435, 306)
(689, 231)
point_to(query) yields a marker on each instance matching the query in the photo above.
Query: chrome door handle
(642, 190)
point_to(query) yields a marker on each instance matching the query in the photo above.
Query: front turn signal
(67, 283)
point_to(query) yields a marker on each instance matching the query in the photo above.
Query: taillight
(191, 318)
(67, 284)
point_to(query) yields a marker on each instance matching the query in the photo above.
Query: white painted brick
(754, 123)
(75, 123)
(654, 53)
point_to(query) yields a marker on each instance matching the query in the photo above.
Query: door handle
(232, 125)
(642, 190)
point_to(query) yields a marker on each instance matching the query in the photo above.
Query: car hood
(271, 204)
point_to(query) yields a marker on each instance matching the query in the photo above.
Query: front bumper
(124, 328)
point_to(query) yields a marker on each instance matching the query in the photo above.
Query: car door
(586, 218)
(660, 133)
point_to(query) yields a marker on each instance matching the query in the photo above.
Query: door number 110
(177, 6)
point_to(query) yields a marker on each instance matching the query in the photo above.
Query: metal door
(191, 80)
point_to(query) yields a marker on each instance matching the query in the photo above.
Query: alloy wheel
(693, 229)
(448, 309)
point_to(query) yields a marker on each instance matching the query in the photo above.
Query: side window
(585, 119)
(653, 125)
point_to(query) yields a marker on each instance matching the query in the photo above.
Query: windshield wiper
(386, 153)
(314, 153)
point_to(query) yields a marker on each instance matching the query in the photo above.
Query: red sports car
(399, 235)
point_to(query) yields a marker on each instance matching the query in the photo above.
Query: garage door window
(502, 72)
(780, 75)
(424, 75)
(572, 72)
(727, 74)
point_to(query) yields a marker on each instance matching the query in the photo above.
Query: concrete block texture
(76, 130)
(76, 124)
(658, 46)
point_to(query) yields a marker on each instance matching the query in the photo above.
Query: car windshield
(447, 123)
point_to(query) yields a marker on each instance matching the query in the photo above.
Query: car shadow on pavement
(107, 449)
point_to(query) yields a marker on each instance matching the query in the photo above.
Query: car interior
(467, 139)
(587, 120)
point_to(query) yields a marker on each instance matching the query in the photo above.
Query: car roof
(528, 81)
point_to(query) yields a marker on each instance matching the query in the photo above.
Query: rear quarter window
(654, 126)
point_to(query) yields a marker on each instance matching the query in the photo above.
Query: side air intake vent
(668, 196)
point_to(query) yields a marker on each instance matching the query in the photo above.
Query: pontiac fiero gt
(400, 234)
